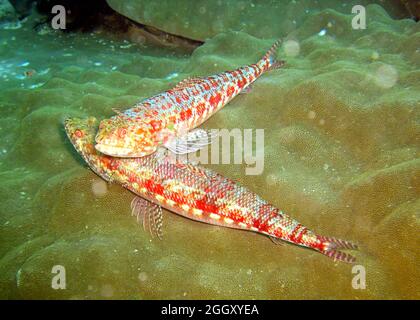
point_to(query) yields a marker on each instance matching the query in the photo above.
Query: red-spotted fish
(168, 118)
(196, 193)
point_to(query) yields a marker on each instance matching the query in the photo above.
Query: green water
(342, 128)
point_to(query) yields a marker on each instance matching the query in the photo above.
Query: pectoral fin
(150, 214)
(191, 142)
(246, 90)
(277, 240)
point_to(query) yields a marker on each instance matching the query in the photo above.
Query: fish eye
(78, 133)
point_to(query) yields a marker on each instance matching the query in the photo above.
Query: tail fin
(269, 60)
(330, 248)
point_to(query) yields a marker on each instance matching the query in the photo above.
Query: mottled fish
(196, 193)
(168, 118)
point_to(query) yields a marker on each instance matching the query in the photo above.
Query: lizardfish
(196, 193)
(169, 118)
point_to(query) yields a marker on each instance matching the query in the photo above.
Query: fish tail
(330, 247)
(269, 61)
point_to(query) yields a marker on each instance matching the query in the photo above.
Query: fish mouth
(113, 151)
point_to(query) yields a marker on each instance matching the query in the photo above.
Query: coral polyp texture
(341, 154)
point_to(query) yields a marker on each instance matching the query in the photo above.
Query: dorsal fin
(187, 82)
(117, 111)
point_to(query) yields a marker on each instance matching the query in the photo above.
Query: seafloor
(342, 128)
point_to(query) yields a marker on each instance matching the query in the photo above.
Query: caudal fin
(269, 61)
(330, 247)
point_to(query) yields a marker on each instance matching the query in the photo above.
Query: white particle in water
(36, 85)
(386, 76)
(107, 291)
(143, 276)
(311, 115)
(291, 48)
(18, 273)
(99, 188)
(44, 71)
(323, 32)
(171, 76)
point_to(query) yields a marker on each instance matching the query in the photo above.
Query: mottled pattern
(198, 193)
(139, 130)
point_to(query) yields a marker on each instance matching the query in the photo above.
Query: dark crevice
(92, 15)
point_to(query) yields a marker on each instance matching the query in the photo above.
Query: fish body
(162, 118)
(198, 193)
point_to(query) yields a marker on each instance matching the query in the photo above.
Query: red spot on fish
(230, 91)
(241, 83)
(206, 205)
(155, 124)
(299, 237)
(295, 230)
(201, 108)
(185, 114)
(132, 177)
(113, 164)
(122, 132)
(214, 100)
(153, 186)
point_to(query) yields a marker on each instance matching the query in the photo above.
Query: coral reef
(342, 132)
(204, 19)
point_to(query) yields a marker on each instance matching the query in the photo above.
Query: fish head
(81, 132)
(121, 136)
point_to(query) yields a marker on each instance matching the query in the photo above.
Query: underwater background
(342, 142)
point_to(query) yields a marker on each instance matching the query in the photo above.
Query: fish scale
(198, 193)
